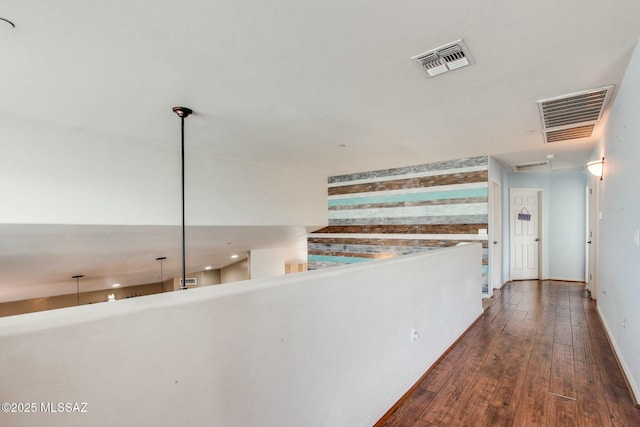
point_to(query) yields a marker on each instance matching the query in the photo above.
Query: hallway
(538, 356)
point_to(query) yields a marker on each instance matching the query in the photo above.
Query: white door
(525, 240)
(495, 243)
(592, 235)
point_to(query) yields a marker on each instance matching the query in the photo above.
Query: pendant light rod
(77, 277)
(183, 112)
(162, 258)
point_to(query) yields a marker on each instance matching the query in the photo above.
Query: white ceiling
(285, 83)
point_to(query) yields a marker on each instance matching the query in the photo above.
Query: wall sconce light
(596, 168)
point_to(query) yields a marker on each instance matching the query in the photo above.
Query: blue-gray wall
(618, 248)
(562, 254)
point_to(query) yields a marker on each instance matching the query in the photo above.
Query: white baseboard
(567, 279)
(635, 391)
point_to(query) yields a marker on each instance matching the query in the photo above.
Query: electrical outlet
(414, 335)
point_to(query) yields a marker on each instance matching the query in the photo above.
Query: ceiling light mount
(182, 112)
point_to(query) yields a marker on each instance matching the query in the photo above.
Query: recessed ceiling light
(116, 285)
(5, 23)
(208, 267)
(234, 256)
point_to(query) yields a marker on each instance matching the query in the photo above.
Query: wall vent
(541, 166)
(573, 116)
(445, 58)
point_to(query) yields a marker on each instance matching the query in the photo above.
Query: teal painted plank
(337, 259)
(413, 197)
(438, 219)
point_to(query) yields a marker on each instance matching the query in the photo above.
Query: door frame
(541, 230)
(591, 235)
(495, 238)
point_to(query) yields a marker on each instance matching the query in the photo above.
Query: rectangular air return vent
(569, 133)
(191, 281)
(573, 116)
(532, 167)
(444, 58)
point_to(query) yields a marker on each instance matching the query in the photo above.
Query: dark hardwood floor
(538, 356)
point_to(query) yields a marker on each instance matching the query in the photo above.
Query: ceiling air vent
(532, 167)
(445, 58)
(569, 133)
(573, 116)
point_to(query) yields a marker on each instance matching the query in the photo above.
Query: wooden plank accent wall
(391, 212)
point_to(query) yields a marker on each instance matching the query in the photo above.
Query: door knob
(589, 242)
(495, 243)
(537, 239)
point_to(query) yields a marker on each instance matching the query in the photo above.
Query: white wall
(235, 272)
(619, 253)
(324, 348)
(211, 277)
(109, 179)
(563, 222)
(266, 263)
